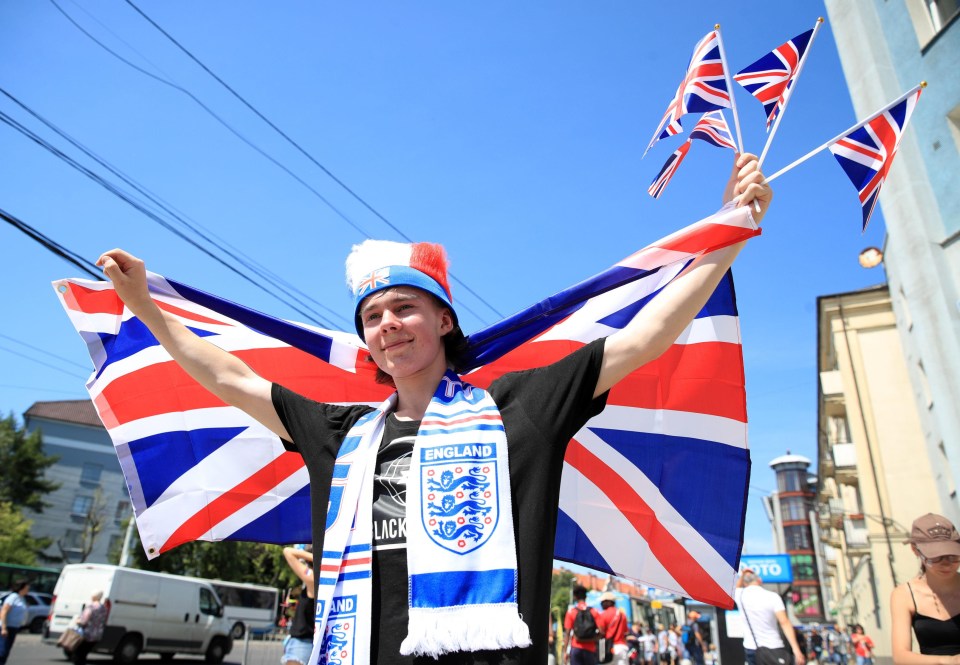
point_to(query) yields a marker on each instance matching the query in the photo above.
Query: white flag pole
(789, 91)
(726, 76)
(922, 84)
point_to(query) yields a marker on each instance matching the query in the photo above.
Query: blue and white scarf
(461, 554)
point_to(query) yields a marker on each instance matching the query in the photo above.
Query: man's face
(403, 327)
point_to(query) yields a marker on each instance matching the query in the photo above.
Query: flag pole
(789, 91)
(726, 76)
(922, 84)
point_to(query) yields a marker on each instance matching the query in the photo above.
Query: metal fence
(259, 649)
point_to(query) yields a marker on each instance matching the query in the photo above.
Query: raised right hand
(128, 275)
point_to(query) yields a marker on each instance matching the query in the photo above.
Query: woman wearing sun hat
(929, 604)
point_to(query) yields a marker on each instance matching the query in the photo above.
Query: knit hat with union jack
(375, 265)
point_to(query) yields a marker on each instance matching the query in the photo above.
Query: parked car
(38, 608)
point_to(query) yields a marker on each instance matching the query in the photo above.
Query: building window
(793, 508)
(940, 12)
(806, 602)
(791, 481)
(91, 473)
(81, 505)
(838, 431)
(797, 537)
(73, 540)
(930, 18)
(804, 567)
(116, 542)
(123, 511)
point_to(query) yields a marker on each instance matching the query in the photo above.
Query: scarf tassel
(434, 632)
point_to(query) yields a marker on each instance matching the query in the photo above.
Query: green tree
(560, 586)
(16, 543)
(24, 464)
(255, 563)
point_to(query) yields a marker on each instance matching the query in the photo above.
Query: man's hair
(749, 577)
(579, 592)
(19, 584)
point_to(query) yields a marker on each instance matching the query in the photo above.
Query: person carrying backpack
(584, 628)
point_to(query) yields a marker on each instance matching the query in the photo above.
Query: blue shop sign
(772, 568)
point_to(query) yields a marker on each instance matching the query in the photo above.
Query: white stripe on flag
(686, 424)
(688, 537)
(610, 532)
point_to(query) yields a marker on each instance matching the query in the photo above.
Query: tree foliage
(24, 464)
(255, 563)
(16, 544)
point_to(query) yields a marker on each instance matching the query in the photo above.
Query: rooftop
(76, 411)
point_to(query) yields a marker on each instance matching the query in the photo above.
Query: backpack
(687, 636)
(585, 626)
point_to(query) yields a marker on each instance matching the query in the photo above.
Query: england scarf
(462, 558)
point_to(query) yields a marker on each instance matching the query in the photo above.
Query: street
(30, 650)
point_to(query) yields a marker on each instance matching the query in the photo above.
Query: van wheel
(216, 651)
(238, 630)
(128, 650)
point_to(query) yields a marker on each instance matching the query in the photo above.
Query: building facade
(789, 510)
(886, 47)
(874, 474)
(86, 518)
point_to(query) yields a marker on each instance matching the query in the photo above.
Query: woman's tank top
(937, 637)
(303, 619)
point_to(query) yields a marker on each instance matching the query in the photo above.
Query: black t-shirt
(541, 409)
(303, 613)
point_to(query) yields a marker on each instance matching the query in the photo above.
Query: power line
(143, 209)
(186, 221)
(61, 251)
(40, 362)
(45, 352)
(216, 117)
(302, 151)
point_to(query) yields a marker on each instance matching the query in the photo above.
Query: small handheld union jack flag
(711, 128)
(704, 88)
(866, 152)
(769, 78)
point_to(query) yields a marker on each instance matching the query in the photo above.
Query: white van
(149, 612)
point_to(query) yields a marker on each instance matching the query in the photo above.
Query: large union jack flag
(866, 152)
(770, 78)
(653, 489)
(704, 88)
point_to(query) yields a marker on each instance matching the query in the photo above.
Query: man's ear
(446, 321)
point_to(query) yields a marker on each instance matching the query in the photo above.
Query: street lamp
(871, 257)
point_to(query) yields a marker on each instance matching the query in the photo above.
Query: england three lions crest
(460, 502)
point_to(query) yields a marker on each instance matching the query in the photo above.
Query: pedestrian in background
(13, 614)
(92, 621)
(583, 648)
(929, 603)
(766, 617)
(616, 627)
(663, 643)
(863, 646)
(299, 643)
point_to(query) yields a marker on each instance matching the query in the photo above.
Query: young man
(453, 491)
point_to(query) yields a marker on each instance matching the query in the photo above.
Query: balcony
(845, 462)
(831, 384)
(857, 535)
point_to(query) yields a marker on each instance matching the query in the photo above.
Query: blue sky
(510, 132)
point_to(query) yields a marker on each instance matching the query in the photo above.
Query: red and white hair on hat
(427, 257)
